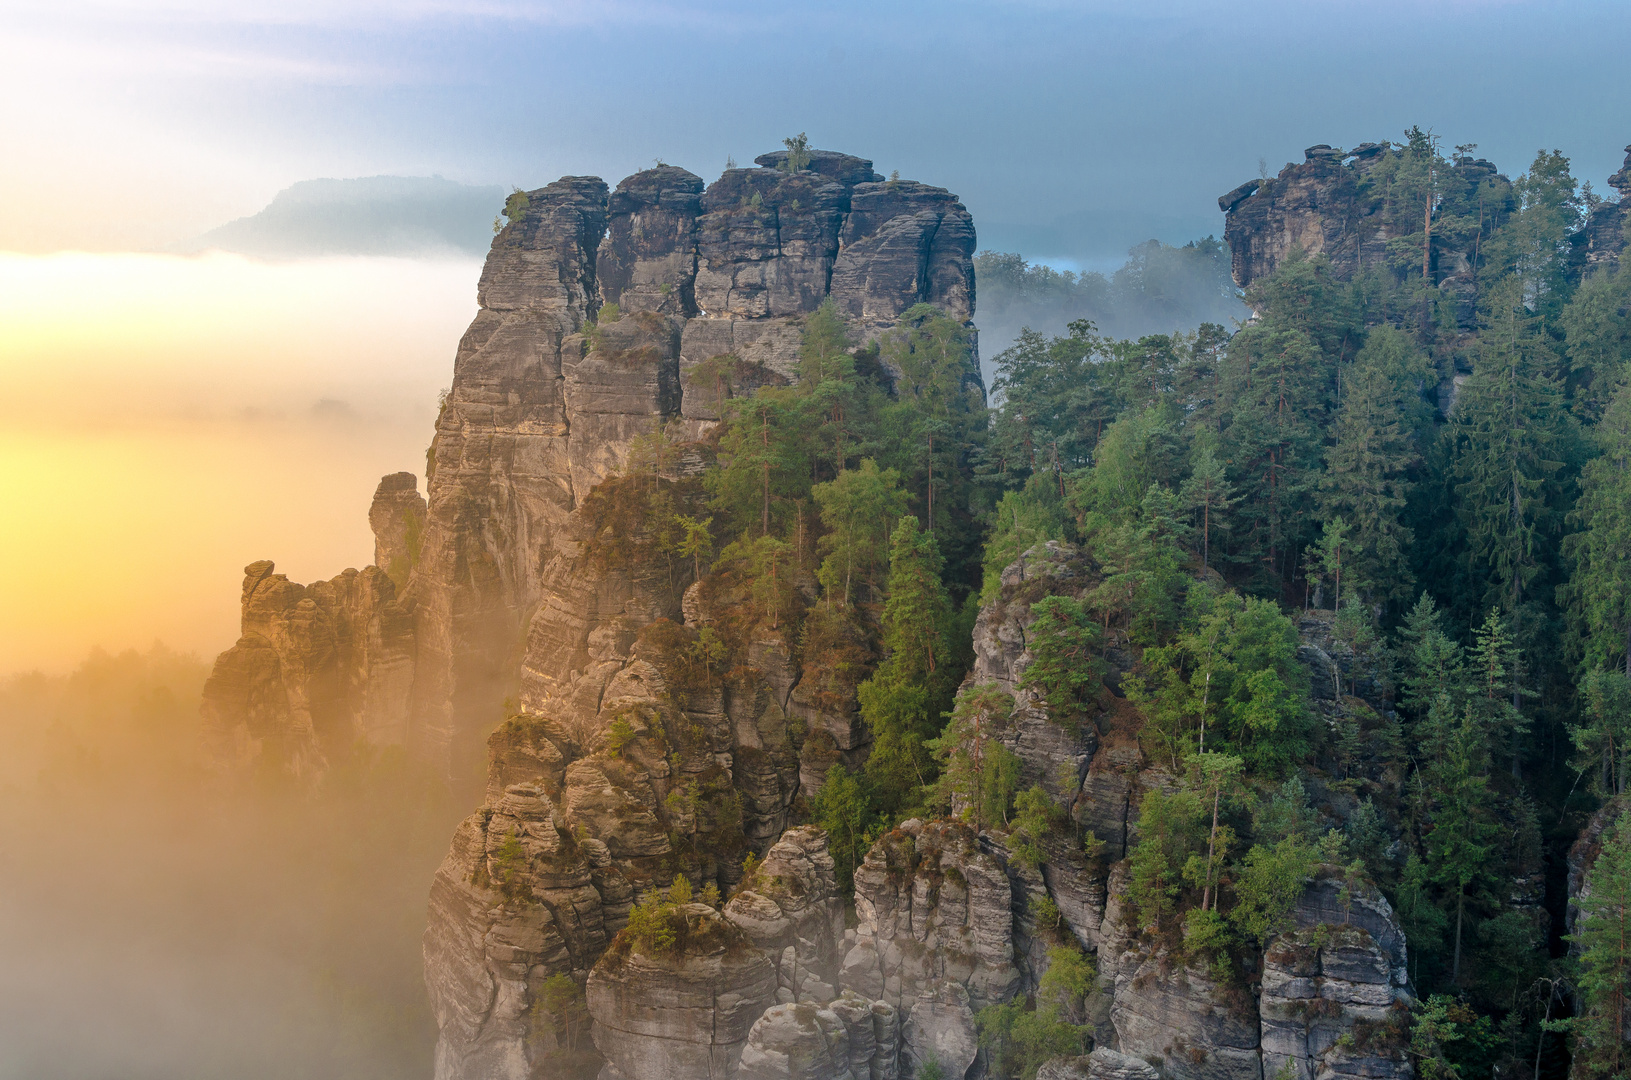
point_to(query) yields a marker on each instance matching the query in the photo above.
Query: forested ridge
(1435, 480)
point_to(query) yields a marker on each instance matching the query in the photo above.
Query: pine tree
(1511, 438)
(859, 509)
(1209, 496)
(1365, 484)
(1463, 833)
(1604, 938)
(1598, 591)
(904, 700)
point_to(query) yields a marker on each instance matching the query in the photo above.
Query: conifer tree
(1208, 495)
(1598, 591)
(1511, 438)
(1365, 484)
(1604, 938)
(905, 698)
(858, 508)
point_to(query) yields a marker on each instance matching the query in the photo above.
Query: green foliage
(1598, 593)
(558, 1006)
(1231, 680)
(978, 774)
(1020, 1040)
(1267, 886)
(842, 806)
(509, 866)
(858, 508)
(651, 929)
(798, 153)
(1034, 812)
(1169, 828)
(1603, 937)
(1023, 519)
(1439, 1027)
(1064, 667)
(618, 735)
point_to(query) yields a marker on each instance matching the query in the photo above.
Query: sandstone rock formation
(1603, 238)
(1341, 970)
(935, 936)
(852, 1039)
(686, 1014)
(1102, 1064)
(1319, 206)
(545, 403)
(1051, 753)
(1328, 205)
(792, 910)
(317, 668)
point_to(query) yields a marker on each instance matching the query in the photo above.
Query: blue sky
(1070, 129)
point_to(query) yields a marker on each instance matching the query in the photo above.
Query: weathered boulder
(940, 1030)
(852, 1039)
(512, 903)
(647, 262)
(904, 243)
(1176, 1015)
(1052, 752)
(1342, 971)
(686, 1012)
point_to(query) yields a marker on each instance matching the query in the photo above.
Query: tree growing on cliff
(904, 700)
(1065, 669)
(798, 153)
(1169, 828)
(978, 774)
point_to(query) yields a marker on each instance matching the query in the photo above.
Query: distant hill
(371, 215)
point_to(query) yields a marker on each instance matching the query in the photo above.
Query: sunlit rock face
(545, 403)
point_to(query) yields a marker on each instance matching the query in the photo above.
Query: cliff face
(545, 404)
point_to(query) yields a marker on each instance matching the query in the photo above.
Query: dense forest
(1437, 477)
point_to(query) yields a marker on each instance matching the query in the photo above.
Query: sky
(169, 419)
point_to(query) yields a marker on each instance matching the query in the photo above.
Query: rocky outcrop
(1320, 207)
(1341, 972)
(316, 669)
(1603, 237)
(792, 910)
(852, 1039)
(1331, 205)
(685, 1013)
(934, 937)
(397, 517)
(1102, 1064)
(1052, 752)
(513, 902)
(1333, 998)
